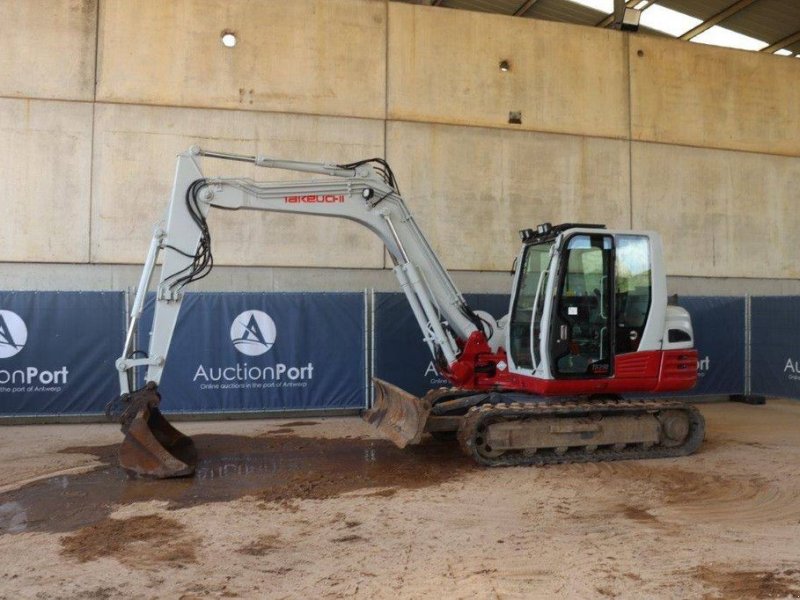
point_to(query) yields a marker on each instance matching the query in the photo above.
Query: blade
(398, 415)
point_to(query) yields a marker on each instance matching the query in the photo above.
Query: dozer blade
(398, 415)
(152, 447)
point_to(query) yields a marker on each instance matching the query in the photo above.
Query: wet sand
(320, 508)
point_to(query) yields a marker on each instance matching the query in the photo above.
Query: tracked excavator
(559, 379)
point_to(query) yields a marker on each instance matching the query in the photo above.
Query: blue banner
(718, 323)
(264, 352)
(57, 351)
(775, 346)
(401, 355)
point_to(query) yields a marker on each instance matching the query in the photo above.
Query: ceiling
(775, 22)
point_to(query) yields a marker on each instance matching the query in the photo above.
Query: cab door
(582, 318)
(527, 308)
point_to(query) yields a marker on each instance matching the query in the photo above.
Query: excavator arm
(364, 192)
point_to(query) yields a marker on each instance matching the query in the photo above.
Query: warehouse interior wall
(97, 97)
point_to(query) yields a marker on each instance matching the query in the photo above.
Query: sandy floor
(299, 510)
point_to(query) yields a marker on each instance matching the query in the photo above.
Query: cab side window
(633, 290)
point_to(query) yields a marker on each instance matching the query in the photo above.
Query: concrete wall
(97, 97)
(301, 56)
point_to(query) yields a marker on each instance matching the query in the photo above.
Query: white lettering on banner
(253, 333)
(703, 366)
(792, 367)
(32, 375)
(243, 373)
(435, 378)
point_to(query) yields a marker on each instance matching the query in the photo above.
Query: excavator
(562, 378)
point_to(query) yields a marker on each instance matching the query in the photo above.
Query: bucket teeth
(398, 415)
(152, 447)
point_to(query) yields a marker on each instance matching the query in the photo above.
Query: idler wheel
(674, 427)
(482, 444)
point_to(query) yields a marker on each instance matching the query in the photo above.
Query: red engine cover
(645, 371)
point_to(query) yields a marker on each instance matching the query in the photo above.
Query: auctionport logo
(253, 332)
(13, 333)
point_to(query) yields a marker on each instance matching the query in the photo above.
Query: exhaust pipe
(398, 415)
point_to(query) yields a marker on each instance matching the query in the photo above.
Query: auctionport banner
(775, 346)
(57, 351)
(718, 323)
(264, 351)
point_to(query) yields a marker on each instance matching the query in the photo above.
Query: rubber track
(467, 433)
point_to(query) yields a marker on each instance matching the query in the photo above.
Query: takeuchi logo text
(314, 199)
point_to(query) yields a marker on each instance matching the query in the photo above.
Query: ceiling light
(228, 39)
(603, 6)
(784, 52)
(505, 67)
(720, 36)
(667, 20)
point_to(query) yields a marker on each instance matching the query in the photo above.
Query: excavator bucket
(398, 415)
(152, 447)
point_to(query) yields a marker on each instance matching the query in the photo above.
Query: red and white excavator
(588, 324)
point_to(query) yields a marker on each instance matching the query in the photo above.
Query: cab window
(633, 290)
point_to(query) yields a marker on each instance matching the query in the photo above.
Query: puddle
(272, 469)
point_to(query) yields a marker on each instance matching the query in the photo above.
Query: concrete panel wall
(134, 162)
(606, 135)
(443, 68)
(472, 189)
(303, 56)
(45, 162)
(48, 48)
(721, 213)
(684, 93)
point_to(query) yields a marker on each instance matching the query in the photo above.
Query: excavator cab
(585, 302)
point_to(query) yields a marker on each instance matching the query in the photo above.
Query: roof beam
(524, 7)
(717, 18)
(787, 41)
(610, 18)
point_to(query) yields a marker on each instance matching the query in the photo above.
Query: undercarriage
(512, 428)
